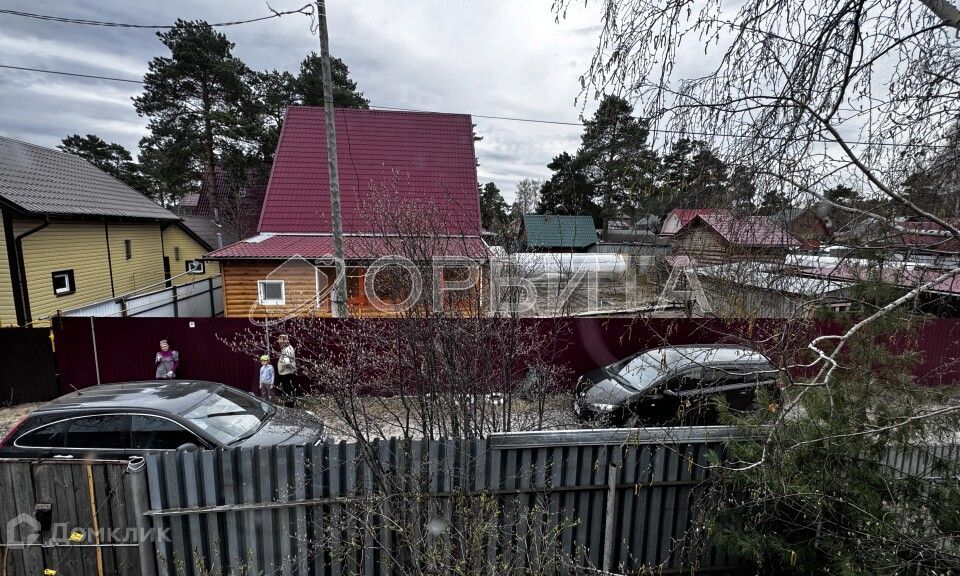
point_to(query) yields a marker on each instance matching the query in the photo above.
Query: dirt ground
(387, 417)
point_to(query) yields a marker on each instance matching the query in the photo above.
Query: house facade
(71, 235)
(810, 224)
(408, 191)
(680, 217)
(716, 239)
(185, 242)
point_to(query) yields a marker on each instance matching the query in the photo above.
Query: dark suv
(122, 420)
(674, 385)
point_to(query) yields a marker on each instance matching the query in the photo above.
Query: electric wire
(305, 9)
(657, 130)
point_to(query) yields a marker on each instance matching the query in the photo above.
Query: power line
(511, 118)
(528, 120)
(305, 9)
(61, 73)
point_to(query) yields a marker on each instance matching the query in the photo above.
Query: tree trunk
(211, 168)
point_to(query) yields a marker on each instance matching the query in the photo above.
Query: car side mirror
(188, 447)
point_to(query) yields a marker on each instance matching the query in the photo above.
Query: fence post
(123, 306)
(213, 306)
(146, 548)
(176, 304)
(613, 476)
(93, 338)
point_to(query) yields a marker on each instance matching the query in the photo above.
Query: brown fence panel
(28, 371)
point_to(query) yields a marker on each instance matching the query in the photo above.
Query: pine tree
(493, 208)
(110, 157)
(309, 84)
(198, 103)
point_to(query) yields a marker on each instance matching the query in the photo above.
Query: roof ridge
(383, 111)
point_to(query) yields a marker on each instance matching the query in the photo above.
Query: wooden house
(71, 235)
(715, 239)
(680, 217)
(809, 224)
(408, 189)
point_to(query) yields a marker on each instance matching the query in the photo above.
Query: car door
(692, 389)
(151, 433)
(736, 385)
(98, 435)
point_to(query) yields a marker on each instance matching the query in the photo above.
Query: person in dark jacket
(167, 361)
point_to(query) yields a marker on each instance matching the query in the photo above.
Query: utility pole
(338, 296)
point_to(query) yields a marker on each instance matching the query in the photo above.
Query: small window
(128, 248)
(63, 283)
(152, 433)
(271, 292)
(194, 266)
(176, 253)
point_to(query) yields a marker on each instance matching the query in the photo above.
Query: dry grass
(12, 414)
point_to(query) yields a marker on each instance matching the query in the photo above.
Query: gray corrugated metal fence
(203, 298)
(539, 503)
(565, 502)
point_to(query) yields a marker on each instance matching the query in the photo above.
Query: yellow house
(184, 244)
(71, 235)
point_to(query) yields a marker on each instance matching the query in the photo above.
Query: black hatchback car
(132, 419)
(675, 384)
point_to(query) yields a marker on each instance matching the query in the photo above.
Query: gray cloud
(485, 57)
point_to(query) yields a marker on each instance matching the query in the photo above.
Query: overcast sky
(489, 57)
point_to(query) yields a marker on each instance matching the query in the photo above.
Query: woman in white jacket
(286, 370)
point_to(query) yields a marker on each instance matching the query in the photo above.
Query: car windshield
(641, 371)
(228, 415)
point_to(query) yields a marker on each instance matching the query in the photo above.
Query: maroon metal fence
(104, 350)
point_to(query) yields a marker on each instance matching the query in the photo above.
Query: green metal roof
(559, 231)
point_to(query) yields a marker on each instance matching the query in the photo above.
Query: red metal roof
(685, 215)
(748, 230)
(284, 246)
(929, 235)
(426, 159)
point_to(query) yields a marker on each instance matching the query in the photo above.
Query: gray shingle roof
(41, 180)
(559, 231)
(206, 229)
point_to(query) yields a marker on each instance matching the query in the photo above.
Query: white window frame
(70, 288)
(200, 269)
(274, 301)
